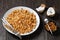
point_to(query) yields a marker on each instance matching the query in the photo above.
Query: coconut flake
(41, 8)
(50, 11)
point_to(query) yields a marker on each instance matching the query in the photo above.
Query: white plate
(25, 8)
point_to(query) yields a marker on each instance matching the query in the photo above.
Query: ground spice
(52, 26)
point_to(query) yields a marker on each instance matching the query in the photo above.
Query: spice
(51, 25)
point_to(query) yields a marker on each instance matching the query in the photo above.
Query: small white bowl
(25, 8)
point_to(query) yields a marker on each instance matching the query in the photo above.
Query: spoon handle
(18, 35)
(46, 21)
(50, 29)
(10, 28)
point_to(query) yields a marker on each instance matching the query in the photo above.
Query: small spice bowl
(53, 26)
(57, 31)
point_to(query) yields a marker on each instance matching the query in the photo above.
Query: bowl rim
(27, 9)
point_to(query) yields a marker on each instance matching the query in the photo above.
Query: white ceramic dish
(25, 8)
